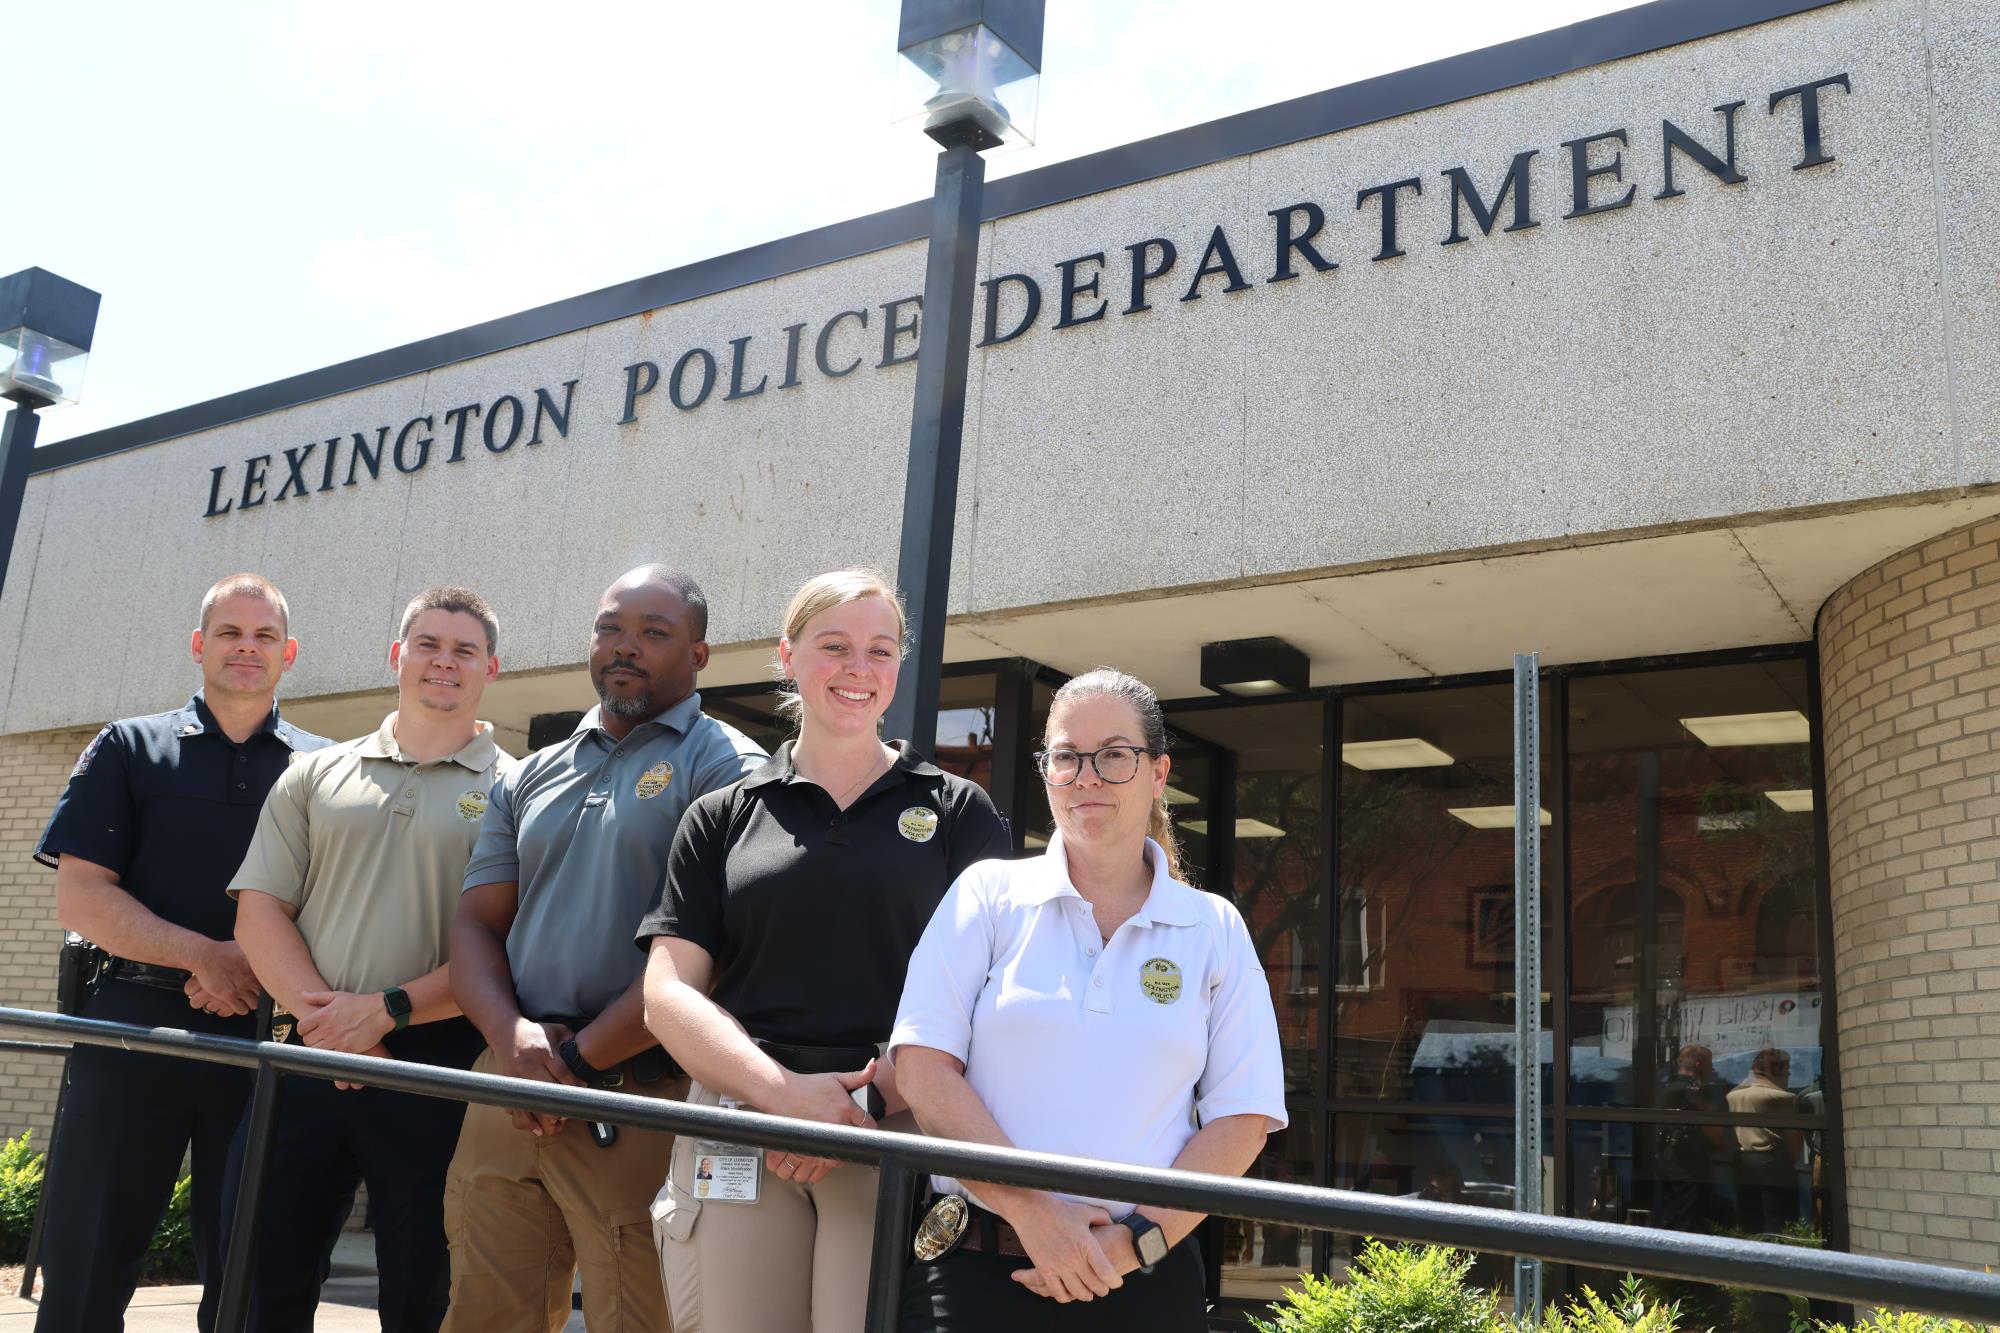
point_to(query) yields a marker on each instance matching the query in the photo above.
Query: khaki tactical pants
(523, 1214)
(795, 1261)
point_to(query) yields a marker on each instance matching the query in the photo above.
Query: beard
(638, 705)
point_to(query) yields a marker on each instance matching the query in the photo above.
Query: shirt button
(1090, 953)
(411, 792)
(243, 786)
(1096, 981)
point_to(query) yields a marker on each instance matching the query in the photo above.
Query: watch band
(397, 1001)
(579, 1066)
(1146, 1235)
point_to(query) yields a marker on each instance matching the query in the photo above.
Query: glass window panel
(1449, 1159)
(1736, 1180)
(1424, 998)
(965, 728)
(1261, 1259)
(1694, 878)
(1264, 840)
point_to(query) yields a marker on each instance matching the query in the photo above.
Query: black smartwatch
(398, 1004)
(1148, 1241)
(579, 1066)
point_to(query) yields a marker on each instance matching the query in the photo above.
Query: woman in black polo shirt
(791, 904)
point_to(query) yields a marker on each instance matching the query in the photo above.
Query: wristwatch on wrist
(398, 1004)
(579, 1066)
(1148, 1241)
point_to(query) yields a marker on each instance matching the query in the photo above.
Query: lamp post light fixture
(973, 70)
(45, 328)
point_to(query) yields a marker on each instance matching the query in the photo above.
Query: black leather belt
(818, 1059)
(829, 1060)
(146, 974)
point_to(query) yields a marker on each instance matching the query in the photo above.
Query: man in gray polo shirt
(570, 857)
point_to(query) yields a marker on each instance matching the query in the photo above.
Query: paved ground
(347, 1303)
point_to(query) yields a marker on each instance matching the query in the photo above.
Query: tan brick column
(1910, 686)
(33, 769)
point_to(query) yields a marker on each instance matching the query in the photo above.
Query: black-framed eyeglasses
(1116, 764)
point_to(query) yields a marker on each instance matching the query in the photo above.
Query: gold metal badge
(919, 823)
(942, 1228)
(1161, 980)
(472, 805)
(654, 780)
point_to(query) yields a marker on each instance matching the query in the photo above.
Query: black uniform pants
(324, 1142)
(971, 1292)
(128, 1120)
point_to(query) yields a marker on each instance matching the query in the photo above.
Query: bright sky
(265, 187)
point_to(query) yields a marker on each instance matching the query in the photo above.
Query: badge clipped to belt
(942, 1229)
(727, 1172)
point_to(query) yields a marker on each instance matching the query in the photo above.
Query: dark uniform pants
(128, 1120)
(326, 1141)
(971, 1292)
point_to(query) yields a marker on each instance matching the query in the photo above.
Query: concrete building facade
(1665, 345)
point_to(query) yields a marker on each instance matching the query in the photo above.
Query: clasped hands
(345, 1021)
(1078, 1252)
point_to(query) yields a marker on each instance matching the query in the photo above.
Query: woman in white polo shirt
(1086, 1002)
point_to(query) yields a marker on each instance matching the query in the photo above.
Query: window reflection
(1446, 1159)
(1425, 1007)
(1259, 832)
(1261, 1259)
(1693, 865)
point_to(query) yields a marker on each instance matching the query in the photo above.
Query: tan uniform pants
(795, 1261)
(524, 1213)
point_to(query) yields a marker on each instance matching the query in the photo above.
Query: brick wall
(33, 769)
(1910, 671)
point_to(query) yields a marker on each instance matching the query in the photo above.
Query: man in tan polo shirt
(344, 907)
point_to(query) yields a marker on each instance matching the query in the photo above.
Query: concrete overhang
(1738, 583)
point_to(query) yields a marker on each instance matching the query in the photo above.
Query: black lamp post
(45, 328)
(975, 66)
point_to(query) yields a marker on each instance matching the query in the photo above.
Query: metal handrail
(1846, 1278)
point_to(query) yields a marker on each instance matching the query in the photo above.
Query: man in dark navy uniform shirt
(156, 817)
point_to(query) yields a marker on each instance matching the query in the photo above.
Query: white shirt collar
(1168, 903)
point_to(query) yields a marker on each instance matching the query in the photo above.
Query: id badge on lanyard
(727, 1172)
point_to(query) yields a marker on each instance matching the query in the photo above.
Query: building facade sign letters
(1082, 290)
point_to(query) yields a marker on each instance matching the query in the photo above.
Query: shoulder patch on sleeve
(89, 753)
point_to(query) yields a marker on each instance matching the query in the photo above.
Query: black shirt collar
(196, 720)
(779, 767)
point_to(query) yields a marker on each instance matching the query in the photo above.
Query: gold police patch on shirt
(1161, 980)
(919, 823)
(654, 780)
(472, 805)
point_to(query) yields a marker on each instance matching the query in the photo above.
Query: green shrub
(20, 1188)
(1393, 1289)
(1901, 1321)
(1631, 1310)
(170, 1258)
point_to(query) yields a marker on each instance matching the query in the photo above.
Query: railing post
(33, 1262)
(233, 1315)
(891, 1256)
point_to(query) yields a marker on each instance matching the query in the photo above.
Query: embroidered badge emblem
(654, 780)
(1161, 981)
(472, 805)
(89, 753)
(919, 823)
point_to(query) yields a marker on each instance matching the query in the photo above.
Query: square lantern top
(1015, 22)
(971, 69)
(46, 324)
